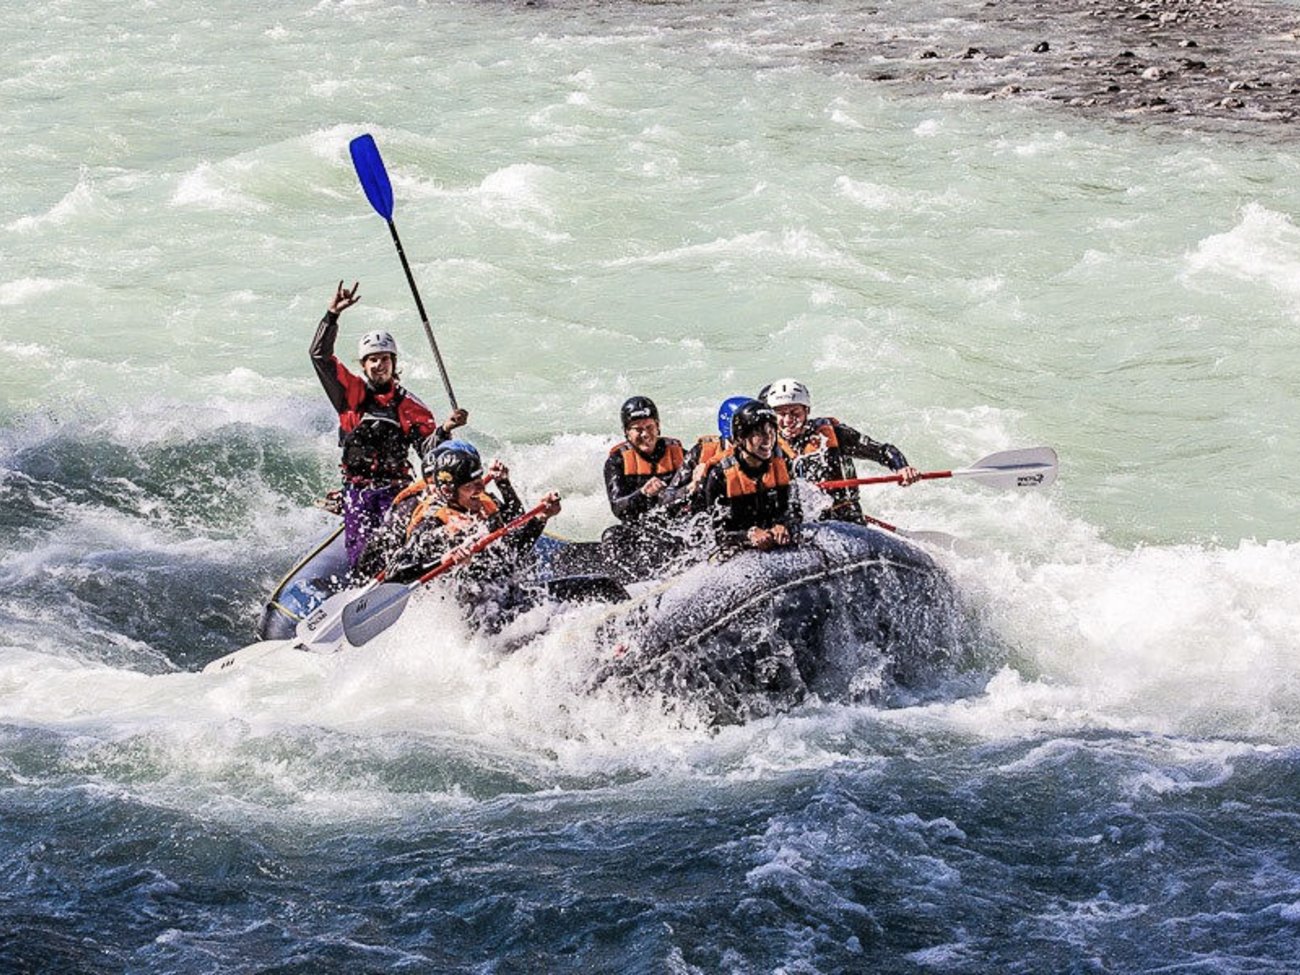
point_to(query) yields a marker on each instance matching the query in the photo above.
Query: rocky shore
(1209, 64)
(1216, 65)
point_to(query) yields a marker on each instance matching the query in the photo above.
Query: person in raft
(455, 508)
(390, 536)
(823, 448)
(379, 421)
(637, 474)
(747, 493)
(686, 488)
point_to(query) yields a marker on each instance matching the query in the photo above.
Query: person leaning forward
(747, 493)
(454, 508)
(379, 421)
(637, 474)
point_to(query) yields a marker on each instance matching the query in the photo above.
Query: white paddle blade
(1031, 467)
(369, 615)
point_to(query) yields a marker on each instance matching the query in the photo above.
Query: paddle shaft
(452, 558)
(881, 479)
(424, 318)
(379, 191)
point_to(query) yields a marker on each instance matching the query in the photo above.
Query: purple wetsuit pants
(363, 511)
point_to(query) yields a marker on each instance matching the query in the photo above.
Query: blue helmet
(727, 410)
(429, 462)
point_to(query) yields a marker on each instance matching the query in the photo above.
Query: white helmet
(372, 343)
(788, 392)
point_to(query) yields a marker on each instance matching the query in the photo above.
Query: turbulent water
(681, 200)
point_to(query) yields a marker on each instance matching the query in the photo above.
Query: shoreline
(1209, 65)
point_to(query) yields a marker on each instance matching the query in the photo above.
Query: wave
(1263, 248)
(24, 289)
(82, 200)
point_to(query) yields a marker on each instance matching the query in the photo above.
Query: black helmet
(456, 466)
(638, 408)
(750, 418)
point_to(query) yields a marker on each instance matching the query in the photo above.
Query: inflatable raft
(850, 614)
(318, 574)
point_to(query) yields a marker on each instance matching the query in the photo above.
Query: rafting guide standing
(379, 421)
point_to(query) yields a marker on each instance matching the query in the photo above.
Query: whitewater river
(600, 200)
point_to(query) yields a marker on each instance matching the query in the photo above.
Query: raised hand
(344, 299)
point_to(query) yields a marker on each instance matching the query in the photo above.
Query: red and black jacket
(377, 428)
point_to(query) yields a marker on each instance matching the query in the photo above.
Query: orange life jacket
(415, 487)
(453, 518)
(820, 437)
(739, 483)
(636, 465)
(712, 450)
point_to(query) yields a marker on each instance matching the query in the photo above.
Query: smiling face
(643, 434)
(378, 368)
(791, 419)
(467, 495)
(761, 443)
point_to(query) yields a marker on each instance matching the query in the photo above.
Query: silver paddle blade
(366, 616)
(321, 630)
(1030, 467)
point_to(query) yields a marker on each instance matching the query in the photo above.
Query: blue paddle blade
(373, 176)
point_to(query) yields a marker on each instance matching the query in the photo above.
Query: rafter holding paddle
(360, 617)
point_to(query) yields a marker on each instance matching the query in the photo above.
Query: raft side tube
(845, 616)
(317, 575)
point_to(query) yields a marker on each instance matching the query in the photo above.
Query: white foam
(25, 289)
(798, 244)
(209, 187)
(1263, 248)
(1171, 639)
(82, 200)
(520, 197)
(881, 197)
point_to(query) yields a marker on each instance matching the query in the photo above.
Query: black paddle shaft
(424, 318)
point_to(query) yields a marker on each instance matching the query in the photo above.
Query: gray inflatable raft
(851, 614)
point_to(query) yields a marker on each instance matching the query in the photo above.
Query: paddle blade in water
(373, 176)
(321, 630)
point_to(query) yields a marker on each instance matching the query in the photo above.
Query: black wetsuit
(824, 451)
(741, 495)
(644, 541)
